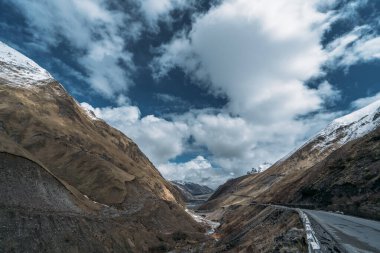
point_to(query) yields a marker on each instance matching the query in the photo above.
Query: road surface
(354, 234)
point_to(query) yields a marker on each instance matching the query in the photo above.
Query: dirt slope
(347, 180)
(98, 160)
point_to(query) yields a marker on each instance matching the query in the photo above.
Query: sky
(208, 89)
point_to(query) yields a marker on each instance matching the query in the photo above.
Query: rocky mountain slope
(338, 169)
(192, 194)
(41, 122)
(252, 228)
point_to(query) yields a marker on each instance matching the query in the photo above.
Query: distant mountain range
(192, 191)
(193, 188)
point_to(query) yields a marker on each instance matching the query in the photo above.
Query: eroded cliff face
(41, 122)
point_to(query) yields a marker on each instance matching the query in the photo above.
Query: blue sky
(207, 89)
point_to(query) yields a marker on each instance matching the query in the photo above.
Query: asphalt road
(351, 233)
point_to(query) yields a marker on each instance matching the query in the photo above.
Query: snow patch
(19, 70)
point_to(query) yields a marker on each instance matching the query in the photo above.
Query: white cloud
(328, 93)
(177, 53)
(258, 53)
(116, 116)
(93, 29)
(363, 102)
(359, 45)
(159, 139)
(234, 144)
(155, 10)
(223, 135)
(198, 170)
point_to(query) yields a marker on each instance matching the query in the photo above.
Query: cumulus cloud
(116, 116)
(260, 63)
(363, 102)
(162, 140)
(94, 30)
(159, 139)
(223, 135)
(258, 53)
(359, 45)
(234, 144)
(198, 170)
(328, 93)
(98, 33)
(155, 10)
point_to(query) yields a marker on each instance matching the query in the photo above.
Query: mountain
(193, 194)
(338, 169)
(193, 188)
(42, 126)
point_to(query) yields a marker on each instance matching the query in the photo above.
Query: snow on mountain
(344, 129)
(350, 127)
(17, 69)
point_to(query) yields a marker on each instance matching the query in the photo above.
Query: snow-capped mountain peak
(344, 129)
(17, 69)
(350, 126)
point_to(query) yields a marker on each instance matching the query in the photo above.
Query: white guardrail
(312, 241)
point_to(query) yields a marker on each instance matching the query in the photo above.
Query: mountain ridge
(343, 137)
(104, 168)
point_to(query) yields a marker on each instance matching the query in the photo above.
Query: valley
(69, 182)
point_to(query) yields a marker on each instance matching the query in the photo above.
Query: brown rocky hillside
(105, 170)
(337, 170)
